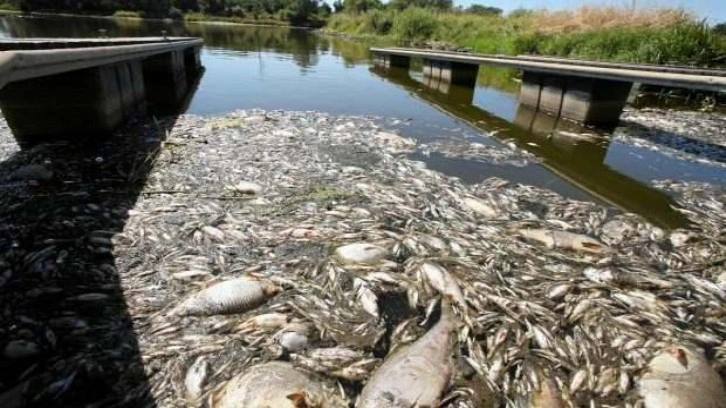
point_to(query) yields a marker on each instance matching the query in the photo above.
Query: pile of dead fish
(685, 135)
(283, 259)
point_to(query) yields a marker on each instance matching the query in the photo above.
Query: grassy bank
(648, 36)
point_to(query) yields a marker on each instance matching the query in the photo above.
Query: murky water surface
(279, 68)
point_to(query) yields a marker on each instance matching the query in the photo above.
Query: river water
(289, 69)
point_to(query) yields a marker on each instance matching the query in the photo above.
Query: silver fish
(417, 374)
(275, 385)
(232, 296)
(680, 377)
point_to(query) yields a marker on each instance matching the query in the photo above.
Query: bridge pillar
(451, 72)
(165, 78)
(192, 61)
(89, 102)
(585, 100)
(391, 61)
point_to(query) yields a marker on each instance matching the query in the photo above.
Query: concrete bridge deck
(590, 92)
(53, 88)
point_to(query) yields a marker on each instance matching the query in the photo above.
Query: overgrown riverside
(312, 13)
(647, 36)
(604, 33)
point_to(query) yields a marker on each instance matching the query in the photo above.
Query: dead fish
(680, 377)
(480, 207)
(275, 385)
(246, 187)
(360, 253)
(232, 296)
(564, 239)
(442, 281)
(294, 336)
(415, 375)
(195, 378)
(366, 297)
(547, 396)
(267, 321)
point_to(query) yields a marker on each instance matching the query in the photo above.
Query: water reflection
(566, 149)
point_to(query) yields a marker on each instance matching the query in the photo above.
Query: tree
(484, 10)
(720, 28)
(361, 6)
(337, 6)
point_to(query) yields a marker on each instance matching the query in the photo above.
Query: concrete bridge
(61, 88)
(588, 92)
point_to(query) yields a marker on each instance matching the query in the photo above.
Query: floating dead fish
(547, 396)
(232, 296)
(275, 385)
(294, 336)
(443, 282)
(680, 377)
(195, 378)
(564, 239)
(417, 374)
(246, 187)
(360, 253)
(20, 349)
(480, 207)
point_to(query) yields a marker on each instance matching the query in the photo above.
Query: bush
(128, 14)
(194, 17)
(414, 24)
(379, 22)
(9, 6)
(176, 14)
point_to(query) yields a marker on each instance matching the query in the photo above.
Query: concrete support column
(165, 79)
(391, 61)
(192, 62)
(530, 89)
(90, 102)
(451, 72)
(585, 100)
(550, 98)
(595, 101)
(463, 74)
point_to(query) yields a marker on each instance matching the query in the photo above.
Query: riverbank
(193, 18)
(115, 236)
(603, 33)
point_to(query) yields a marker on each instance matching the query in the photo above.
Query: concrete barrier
(49, 95)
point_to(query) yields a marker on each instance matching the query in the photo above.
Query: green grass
(9, 7)
(661, 36)
(128, 14)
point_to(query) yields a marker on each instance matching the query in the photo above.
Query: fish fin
(299, 399)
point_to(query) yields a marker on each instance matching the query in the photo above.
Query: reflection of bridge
(90, 86)
(590, 92)
(578, 160)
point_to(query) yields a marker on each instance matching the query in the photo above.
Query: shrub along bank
(649, 36)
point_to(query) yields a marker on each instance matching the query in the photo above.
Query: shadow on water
(66, 328)
(560, 144)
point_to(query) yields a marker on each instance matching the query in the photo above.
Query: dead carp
(275, 385)
(232, 296)
(680, 377)
(415, 375)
